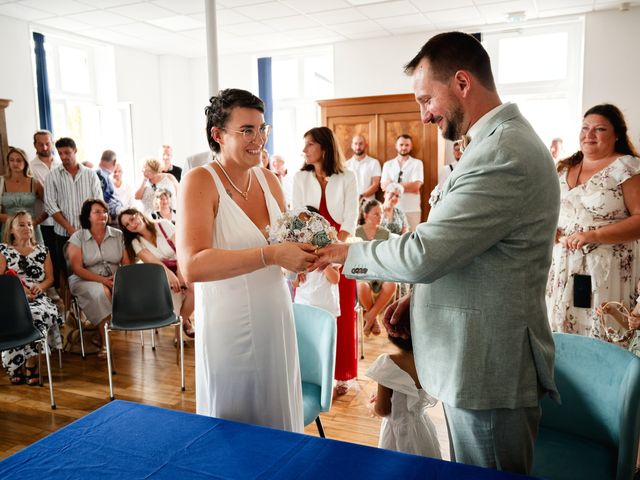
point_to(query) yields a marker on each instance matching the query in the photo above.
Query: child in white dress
(402, 403)
(319, 289)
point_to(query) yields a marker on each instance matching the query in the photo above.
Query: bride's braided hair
(220, 108)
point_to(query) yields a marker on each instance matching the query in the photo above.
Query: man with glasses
(408, 172)
(366, 168)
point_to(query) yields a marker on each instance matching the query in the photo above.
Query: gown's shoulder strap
(216, 179)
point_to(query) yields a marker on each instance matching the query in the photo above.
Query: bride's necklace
(246, 192)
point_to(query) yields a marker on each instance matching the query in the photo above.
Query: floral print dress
(614, 269)
(46, 318)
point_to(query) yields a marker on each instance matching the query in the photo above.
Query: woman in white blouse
(153, 242)
(325, 183)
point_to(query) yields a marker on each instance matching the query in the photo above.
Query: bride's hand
(295, 257)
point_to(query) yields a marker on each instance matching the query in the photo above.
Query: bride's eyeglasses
(250, 134)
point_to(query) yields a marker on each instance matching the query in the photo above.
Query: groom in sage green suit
(481, 338)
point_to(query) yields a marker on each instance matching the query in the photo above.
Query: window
(540, 69)
(83, 103)
(298, 81)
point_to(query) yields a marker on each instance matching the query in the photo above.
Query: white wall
(374, 66)
(16, 82)
(612, 66)
(137, 79)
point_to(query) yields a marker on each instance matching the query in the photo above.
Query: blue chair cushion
(581, 458)
(311, 401)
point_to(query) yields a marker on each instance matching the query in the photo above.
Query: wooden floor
(153, 378)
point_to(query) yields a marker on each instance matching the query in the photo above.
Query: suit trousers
(500, 438)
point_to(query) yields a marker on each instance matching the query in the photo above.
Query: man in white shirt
(366, 168)
(41, 165)
(407, 171)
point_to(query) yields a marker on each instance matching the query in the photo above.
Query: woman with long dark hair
(325, 183)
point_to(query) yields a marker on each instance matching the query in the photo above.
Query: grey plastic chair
(141, 301)
(16, 323)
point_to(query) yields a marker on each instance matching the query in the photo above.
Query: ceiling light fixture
(516, 17)
(358, 3)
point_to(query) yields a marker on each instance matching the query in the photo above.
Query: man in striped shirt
(65, 190)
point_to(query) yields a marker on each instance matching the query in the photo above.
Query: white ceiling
(177, 27)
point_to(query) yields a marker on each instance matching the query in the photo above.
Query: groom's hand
(334, 253)
(396, 318)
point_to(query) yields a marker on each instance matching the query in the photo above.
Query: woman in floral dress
(32, 262)
(599, 224)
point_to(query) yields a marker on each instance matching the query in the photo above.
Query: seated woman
(373, 295)
(153, 242)
(32, 263)
(163, 207)
(393, 219)
(95, 252)
(153, 180)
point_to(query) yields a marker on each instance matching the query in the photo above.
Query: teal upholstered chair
(316, 333)
(593, 434)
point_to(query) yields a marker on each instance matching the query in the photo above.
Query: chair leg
(153, 341)
(142, 338)
(181, 356)
(47, 356)
(60, 358)
(319, 425)
(106, 339)
(76, 312)
(360, 330)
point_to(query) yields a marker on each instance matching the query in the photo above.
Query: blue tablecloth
(125, 440)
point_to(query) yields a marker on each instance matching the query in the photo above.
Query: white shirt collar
(483, 120)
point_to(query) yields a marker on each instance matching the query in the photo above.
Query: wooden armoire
(380, 120)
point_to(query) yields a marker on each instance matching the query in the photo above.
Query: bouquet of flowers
(302, 226)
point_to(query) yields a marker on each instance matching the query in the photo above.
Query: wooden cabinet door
(346, 127)
(381, 119)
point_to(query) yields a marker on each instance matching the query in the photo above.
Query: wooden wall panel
(380, 120)
(4, 142)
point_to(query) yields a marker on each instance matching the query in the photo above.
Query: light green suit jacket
(478, 319)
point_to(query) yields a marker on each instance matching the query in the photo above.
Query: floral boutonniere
(436, 195)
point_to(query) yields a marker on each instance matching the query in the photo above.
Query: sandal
(187, 328)
(17, 379)
(32, 376)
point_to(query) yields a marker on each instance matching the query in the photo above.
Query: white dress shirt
(341, 196)
(365, 170)
(40, 170)
(412, 171)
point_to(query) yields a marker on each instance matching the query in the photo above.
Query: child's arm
(332, 273)
(382, 407)
(299, 280)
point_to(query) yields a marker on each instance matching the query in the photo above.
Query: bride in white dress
(246, 352)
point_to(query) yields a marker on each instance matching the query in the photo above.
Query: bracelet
(264, 263)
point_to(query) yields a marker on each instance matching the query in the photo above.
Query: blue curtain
(266, 94)
(42, 80)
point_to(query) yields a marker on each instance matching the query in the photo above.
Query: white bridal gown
(246, 352)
